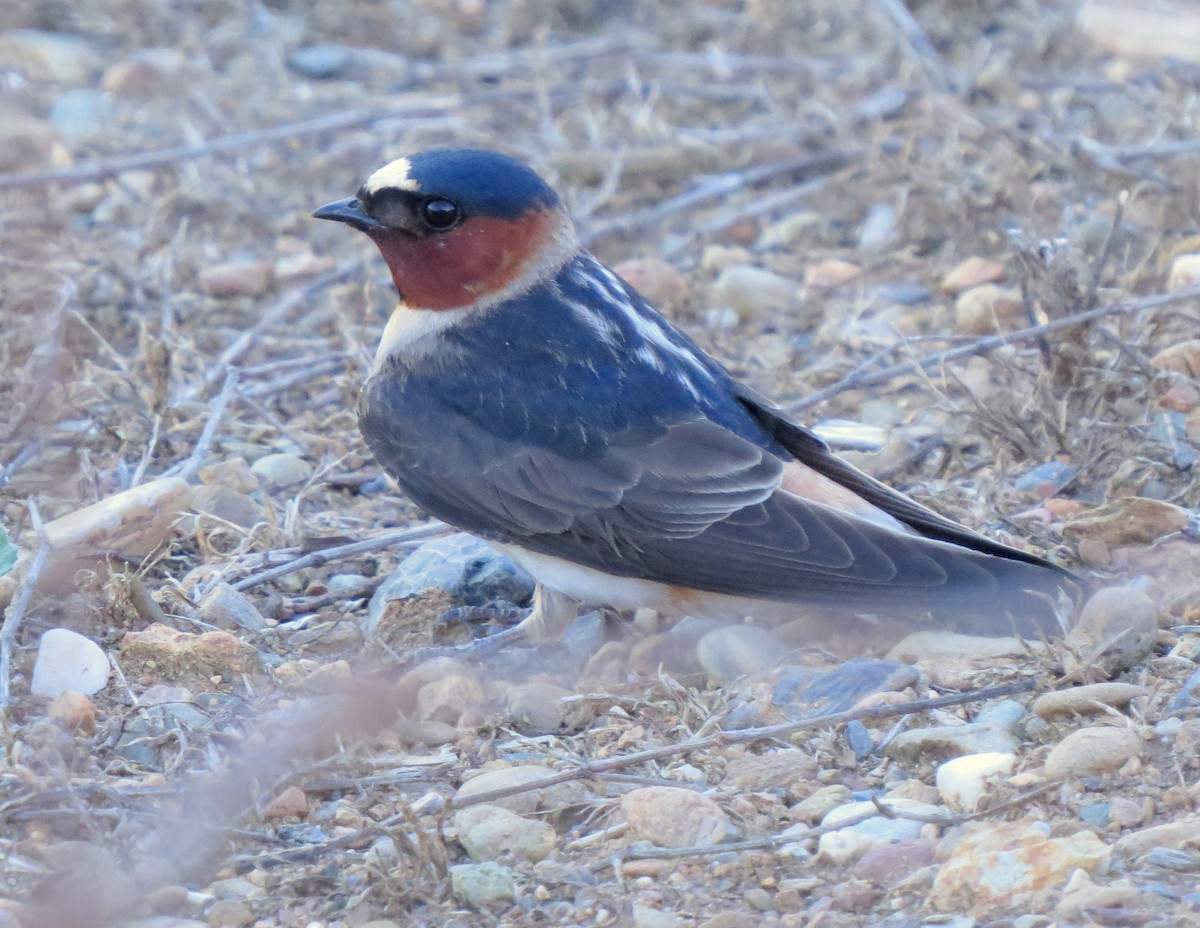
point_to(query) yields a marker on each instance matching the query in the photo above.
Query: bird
(526, 394)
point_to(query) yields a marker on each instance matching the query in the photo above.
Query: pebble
(942, 647)
(828, 275)
(1045, 480)
(236, 278)
(884, 864)
(281, 470)
(753, 291)
(224, 504)
(536, 708)
(987, 308)
(1182, 358)
(522, 803)
(196, 659)
(231, 472)
(788, 232)
(459, 564)
(786, 771)
(229, 913)
(645, 916)
(878, 227)
(659, 281)
(972, 272)
(904, 293)
(488, 831)
(447, 700)
(994, 731)
(68, 662)
(148, 72)
(759, 899)
(1091, 699)
(75, 712)
(80, 112)
(1085, 902)
(1133, 520)
(226, 608)
(478, 884)
(859, 739)
(1170, 835)
(737, 651)
(321, 62)
(963, 781)
(1011, 865)
(850, 843)
(1089, 751)
(816, 806)
(292, 802)
(1185, 272)
(1116, 628)
(52, 56)
(1096, 813)
(670, 816)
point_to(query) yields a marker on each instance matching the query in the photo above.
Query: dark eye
(440, 214)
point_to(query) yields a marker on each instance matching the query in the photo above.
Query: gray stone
(460, 565)
(488, 832)
(81, 112)
(224, 607)
(482, 883)
(321, 62)
(1097, 813)
(738, 650)
(859, 739)
(995, 730)
(281, 470)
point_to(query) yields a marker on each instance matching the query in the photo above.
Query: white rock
(487, 832)
(68, 662)
(850, 843)
(281, 470)
(962, 782)
(754, 290)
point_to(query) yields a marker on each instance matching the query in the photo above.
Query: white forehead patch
(398, 174)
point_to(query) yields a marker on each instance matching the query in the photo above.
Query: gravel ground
(843, 202)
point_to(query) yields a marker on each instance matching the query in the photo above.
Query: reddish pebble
(292, 802)
(75, 711)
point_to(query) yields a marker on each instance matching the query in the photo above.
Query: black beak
(349, 211)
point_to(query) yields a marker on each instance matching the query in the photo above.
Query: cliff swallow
(523, 392)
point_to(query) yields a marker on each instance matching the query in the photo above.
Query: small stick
(991, 343)
(275, 314)
(187, 469)
(746, 736)
(918, 42)
(20, 603)
(321, 558)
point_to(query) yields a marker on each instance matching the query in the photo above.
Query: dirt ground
(906, 181)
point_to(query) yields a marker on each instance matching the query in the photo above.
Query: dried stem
(328, 555)
(20, 603)
(988, 343)
(746, 736)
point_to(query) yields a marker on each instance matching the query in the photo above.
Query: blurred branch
(861, 378)
(20, 602)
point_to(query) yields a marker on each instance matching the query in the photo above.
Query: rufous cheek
(450, 270)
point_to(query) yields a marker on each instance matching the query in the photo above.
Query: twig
(719, 185)
(187, 469)
(282, 307)
(320, 558)
(917, 42)
(751, 844)
(438, 108)
(990, 343)
(363, 588)
(746, 736)
(20, 602)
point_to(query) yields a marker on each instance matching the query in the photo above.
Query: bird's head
(460, 227)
